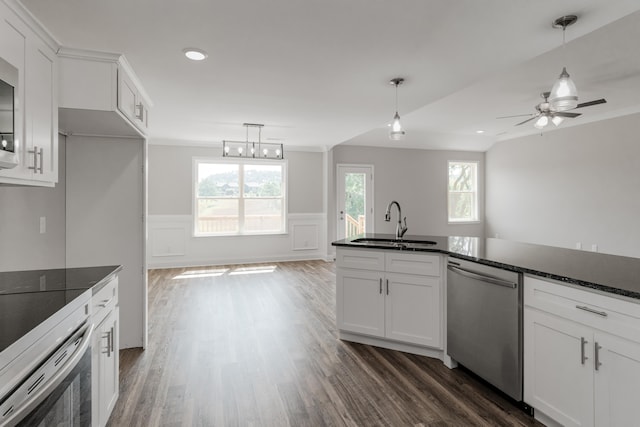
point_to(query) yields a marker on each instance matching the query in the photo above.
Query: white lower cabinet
(105, 360)
(617, 382)
(581, 356)
(374, 300)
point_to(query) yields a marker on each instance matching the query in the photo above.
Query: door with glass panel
(354, 200)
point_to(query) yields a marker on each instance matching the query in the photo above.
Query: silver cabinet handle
(140, 111)
(35, 158)
(381, 286)
(591, 310)
(111, 339)
(387, 286)
(583, 355)
(41, 155)
(105, 302)
(108, 337)
(596, 355)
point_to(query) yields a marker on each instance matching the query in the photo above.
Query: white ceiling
(316, 72)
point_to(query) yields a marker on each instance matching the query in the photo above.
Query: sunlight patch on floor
(194, 274)
(253, 270)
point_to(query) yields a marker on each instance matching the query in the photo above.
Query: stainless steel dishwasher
(484, 323)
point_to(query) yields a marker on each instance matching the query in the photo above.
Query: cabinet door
(558, 381)
(127, 96)
(617, 381)
(41, 112)
(412, 309)
(13, 50)
(360, 301)
(109, 367)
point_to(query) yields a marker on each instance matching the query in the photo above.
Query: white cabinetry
(105, 360)
(23, 44)
(391, 295)
(100, 95)
(581, 355)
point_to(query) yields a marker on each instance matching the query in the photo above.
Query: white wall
(105, 208)
(22, 246)
(171, 242)
(578, 184)
(417, 179)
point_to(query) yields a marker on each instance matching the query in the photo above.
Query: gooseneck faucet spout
(400, 230)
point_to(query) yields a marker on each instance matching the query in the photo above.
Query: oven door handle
(477, 276)
(30, 396)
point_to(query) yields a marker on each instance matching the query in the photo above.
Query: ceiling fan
(546, 113)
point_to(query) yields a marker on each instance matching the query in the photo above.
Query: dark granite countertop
(28, 298)
(612, 274)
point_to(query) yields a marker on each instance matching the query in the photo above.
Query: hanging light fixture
(253, 150)
(564, 95)
(396, 132)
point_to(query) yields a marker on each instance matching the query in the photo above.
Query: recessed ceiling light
(479, 131)
(195, 54)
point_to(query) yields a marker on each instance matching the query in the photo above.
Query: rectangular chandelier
(252, 149)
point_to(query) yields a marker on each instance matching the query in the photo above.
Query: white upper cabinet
(28, 48)
(100, 95)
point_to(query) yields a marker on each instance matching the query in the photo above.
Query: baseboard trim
(392, 345)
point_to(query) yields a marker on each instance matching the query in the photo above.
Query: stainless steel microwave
(8, 94)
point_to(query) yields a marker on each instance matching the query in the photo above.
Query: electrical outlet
(578, 245)
(594, 247)
(43, 224)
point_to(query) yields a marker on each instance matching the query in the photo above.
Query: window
(463, 192)
(239, 197)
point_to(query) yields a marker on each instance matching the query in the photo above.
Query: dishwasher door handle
(482, 277)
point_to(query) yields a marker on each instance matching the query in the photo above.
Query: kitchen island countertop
(611, 274)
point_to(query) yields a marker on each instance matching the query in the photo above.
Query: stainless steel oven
(46, 379)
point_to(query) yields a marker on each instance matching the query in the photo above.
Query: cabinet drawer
(608, 314)
(105, 299)
(410, 263)
(360, 259)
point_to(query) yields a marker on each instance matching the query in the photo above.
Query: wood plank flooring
(256, 345)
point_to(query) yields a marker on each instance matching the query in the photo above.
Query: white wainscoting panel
(172, 244)
(168, 241)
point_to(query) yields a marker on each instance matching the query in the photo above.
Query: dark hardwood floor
(256, 345)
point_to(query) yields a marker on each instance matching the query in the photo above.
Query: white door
(354, 200)
(558, 368)
(617, 381)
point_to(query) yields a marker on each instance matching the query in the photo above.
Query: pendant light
(396, 132)
(564, 95)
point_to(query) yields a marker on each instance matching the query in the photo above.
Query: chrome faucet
(400, 230)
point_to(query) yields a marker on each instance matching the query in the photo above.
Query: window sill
(463, 222)
(275, 234)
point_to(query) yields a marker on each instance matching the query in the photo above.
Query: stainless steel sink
(394, 243)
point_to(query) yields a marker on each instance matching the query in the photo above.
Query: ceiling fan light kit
(564, 94)
(396, 133)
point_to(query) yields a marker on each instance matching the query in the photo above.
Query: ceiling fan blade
(565, 114)
(528, 120)
(590, 103)
(517, 115)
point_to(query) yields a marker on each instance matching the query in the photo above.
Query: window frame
(476, 194)
(241, 198)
